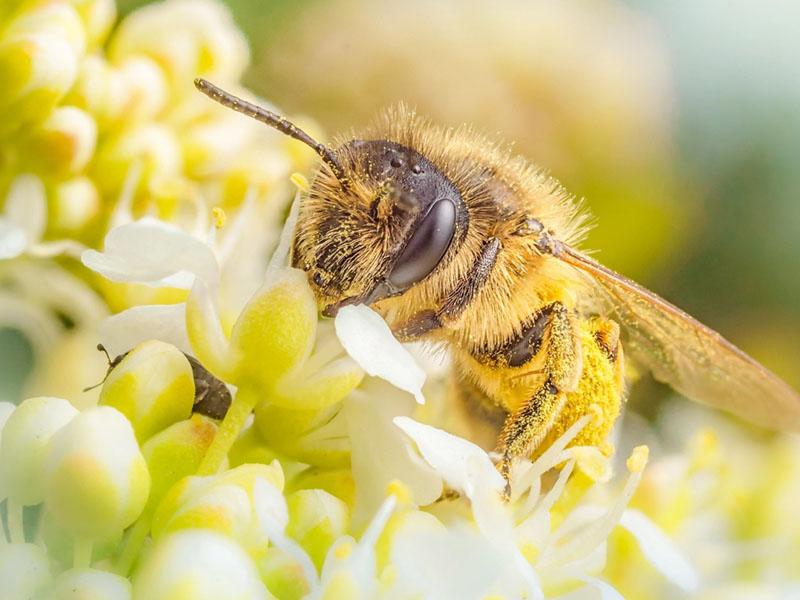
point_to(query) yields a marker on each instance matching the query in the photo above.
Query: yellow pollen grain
(343, 551)
(300, 182)
(219, 217)
(637, 461)
(399, 490)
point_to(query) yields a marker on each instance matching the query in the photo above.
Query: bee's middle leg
(525, 428)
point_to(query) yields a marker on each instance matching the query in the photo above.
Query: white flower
(23, 222)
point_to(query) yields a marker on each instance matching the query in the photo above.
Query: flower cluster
(101, 125)
(317, 483)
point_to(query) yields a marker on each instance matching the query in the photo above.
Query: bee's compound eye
(427, 245)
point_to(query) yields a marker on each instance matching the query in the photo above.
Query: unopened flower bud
(75, 204)
(98, 17)
(221, 502)
(23, 449)
(190, 38)
(96, 479)
(66, 140)
(89, 584)
(176, 453)
(152, 386)
(316, 519)
(198, 564)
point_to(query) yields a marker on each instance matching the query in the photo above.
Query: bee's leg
(457, 300)
(524, 429)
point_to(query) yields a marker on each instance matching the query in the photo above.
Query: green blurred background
(678, 122)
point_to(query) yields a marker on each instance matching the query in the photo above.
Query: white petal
(153, 252)
(280, 258)
(368, 340)
(662, 553)
(166, 322)
(452, 563)
(273, 515)
(26, 206)
(13, 240)
(607, 592)
(380, 452)
(462, 464)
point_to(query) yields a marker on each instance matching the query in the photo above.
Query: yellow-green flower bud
(24, 570)
(316, 520)
(152, 386)
(23, 449)
(278, 324)
(6, 408)
(176, 453)
(284, 576)
(98, 17)
(89, 584)
(221, 502)
(39, 58)
(198, 564)
(272, 337)
(75, 203)
(96, 479)
(190, 38)
(154, 146)
(337, 482)
(65, 142)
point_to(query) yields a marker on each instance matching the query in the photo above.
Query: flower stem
(82, 553)
(233, 423)
(16, 522)
(132, 545)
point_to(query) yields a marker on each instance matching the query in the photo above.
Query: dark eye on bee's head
(423, 204)
(426, 247)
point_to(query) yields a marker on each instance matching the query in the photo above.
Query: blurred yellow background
(678, 122)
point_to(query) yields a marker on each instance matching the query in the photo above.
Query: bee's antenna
(273, 120)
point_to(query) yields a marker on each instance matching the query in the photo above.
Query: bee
(455, 240)
(212, 397)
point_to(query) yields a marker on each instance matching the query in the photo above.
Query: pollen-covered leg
(526, 427)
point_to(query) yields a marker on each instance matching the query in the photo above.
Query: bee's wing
(693, 359)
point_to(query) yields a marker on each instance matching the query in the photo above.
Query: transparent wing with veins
(682, 352)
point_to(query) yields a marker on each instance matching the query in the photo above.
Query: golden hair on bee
(456, 240)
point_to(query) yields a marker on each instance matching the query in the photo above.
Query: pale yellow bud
(98, 17)
(23, 449)
(190, 38)
(89, 584)
(198, 564)
(96, 479)
(75, 203)
(152, 386)
(65, 141)
(153, 146)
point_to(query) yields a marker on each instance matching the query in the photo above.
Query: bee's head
(378, 219)
(383, 227)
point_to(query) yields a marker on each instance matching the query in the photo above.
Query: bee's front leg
(525, 428)
(457, 300)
